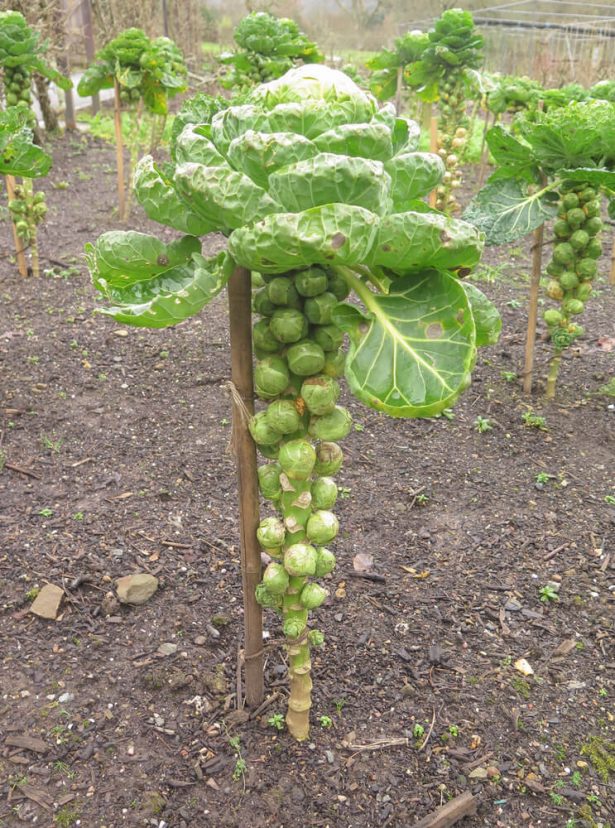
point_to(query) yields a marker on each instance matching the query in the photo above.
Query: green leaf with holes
(411, 351)
(171, 297)
(331, 234)
(487, 319)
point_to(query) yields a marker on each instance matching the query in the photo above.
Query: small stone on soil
(136, 589)
(47, 602)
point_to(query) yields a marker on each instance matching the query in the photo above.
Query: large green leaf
(504, 210)
(43, 68)
(191, 145)
(413, 241)
(413, 174)
(487, 318)
(223, 197)
(331, 234)
(327, 178)
(18, 154)
(509, 152)
(312, 118)
(258, 154)
(363, 140)
(594, 176)
(156, 194)
(411, 351)
(172, 297)
(125, 257)
(234, 121)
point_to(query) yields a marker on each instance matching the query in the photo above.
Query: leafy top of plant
(21, 47)
(310, 173)
(151, 70)
(19, 155)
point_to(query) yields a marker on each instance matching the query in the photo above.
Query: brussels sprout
(305, 358)
(554, 269)
(574, 306)
(331, 427)
(311, 282)
(275, 578)
(322, 526)
(263, 339)
(313, 595)
(568, 280)
(588, 194)
(579, 239)
(591, 209)
(320, 393)
(325, 562)
(570, 201)
(563, 254)
(288, 325)
(261, 431)
(552, 317)
(329, 337)
(584, 291)
(586, 269)
(338, 287)
(297, 458)
(554, 291)
(300, 559)
(256, 280)
(576, 217)
(281, 291)
(593, 226)
(270, 452)
(324, 493)
(316, 638)
(593, 249)
(283, 417)
(561, 229)
(334, 363)
(329, 459)
(262, 304)
(319, 309)
(267, 599)
(271, 533)
(269, 480)
(270, 377)
(295, 623)
(297, 506)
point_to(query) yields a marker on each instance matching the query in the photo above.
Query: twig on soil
(554, 552)
(267, 703)
(461, 806)
(429, 732)
(379, 744)
(239, 688)
(18, 469)
(368, 576)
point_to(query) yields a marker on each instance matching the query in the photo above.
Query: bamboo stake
(240, 315)
(119, 152)
(484, 150)
(22, 265)
(398, 89)
(90, 50)
(433, 147)
(612, 270)
(532, 315)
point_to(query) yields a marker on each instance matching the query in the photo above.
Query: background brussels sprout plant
(145, 73)
(319, 193)
(557, 165)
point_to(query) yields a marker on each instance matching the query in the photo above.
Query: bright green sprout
(610, 499)
(542, 478)
(46, 512)
(276, 721)
(532, 420)
(548, 594)
(482, 424)
(509, 376)
(325, 721)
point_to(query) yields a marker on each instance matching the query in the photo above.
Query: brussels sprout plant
(556, 166)
(446, 72)
(319, 194)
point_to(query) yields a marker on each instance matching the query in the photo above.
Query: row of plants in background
(319, 194)
(145, 73)
(558, 165)
(21, 55)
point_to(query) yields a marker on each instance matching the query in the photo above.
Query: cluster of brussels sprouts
(17, 83)
(28, 209)
(573, 265)
(299, 358)
(452, 141)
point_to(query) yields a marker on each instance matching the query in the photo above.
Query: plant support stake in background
(119, 152)
(532, 315)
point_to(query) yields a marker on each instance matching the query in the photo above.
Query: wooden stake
(461, 806)
(90, 49)
(399, 89)
(119, 152)
(532, 313)
(240, 318)
(612, 270)
(433, 147)
(22, 265)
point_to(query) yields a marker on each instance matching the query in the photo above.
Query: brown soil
(116, 447)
